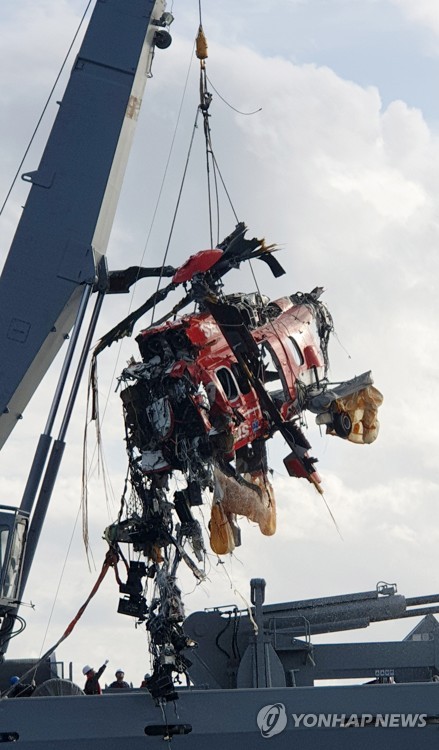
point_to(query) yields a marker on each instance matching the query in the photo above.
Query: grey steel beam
(67, 218)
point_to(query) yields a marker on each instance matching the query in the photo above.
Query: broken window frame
(241, 378)
(225, 386)
(265, 344)
(295, 350)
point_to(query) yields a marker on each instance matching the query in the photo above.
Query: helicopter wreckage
(209, 391)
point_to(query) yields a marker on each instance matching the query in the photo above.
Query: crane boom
(65, 226)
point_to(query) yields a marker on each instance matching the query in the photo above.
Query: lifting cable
(205, 100)
(176, 209)
(14, 180)
(203, 107)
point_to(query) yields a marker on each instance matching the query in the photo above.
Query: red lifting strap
(110, 561)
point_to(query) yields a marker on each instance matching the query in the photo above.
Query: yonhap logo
(272, 719)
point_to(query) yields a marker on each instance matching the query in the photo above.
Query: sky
(340, 167)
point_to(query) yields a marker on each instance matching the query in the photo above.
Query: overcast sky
(341, 168)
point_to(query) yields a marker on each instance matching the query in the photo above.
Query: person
(92, 686)
(145, 680)
(119, 682)
(20, 689)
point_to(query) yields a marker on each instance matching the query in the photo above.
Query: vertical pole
(257, 594)
(56, 454)
(43, 447)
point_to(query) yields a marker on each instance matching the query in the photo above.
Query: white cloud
(424, 12)
(389, 196)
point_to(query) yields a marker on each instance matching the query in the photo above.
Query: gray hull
(222, 719)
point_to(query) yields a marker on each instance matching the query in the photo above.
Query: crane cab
(13, 531)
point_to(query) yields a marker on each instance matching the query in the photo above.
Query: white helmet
(86, 669)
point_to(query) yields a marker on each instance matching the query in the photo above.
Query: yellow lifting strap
(201, 44)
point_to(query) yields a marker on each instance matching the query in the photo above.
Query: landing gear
(342, 424)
